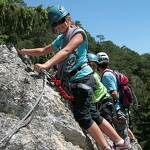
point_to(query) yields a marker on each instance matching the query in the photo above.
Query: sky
(124, 22)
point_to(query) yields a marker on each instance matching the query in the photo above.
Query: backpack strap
(114, 73)
(72, 32)
(107, 70)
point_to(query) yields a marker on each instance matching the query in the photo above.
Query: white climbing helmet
(102, 57)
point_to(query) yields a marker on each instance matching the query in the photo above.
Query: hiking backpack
(125, 92)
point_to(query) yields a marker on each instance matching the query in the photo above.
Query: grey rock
(52, 126)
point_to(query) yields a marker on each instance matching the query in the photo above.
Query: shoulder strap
(73, 31)
(115, 74)
(69, 34)
(107, 70)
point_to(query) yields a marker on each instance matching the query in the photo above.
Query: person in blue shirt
(110, 82)
(70, 47)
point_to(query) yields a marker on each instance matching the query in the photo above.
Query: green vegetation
(28, 27)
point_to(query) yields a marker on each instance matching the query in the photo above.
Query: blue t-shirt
(78, 57)
(110, 82)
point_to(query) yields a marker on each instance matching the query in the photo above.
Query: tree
(101, 38)
(18, 2)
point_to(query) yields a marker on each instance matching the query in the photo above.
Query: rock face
(51, 126)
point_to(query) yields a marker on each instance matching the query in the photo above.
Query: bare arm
(36, 51)
(62, 54)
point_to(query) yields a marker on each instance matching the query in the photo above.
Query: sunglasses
(61, 21)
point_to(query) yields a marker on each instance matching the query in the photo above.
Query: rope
(25, 121)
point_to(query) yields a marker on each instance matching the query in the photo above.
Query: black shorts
(84, 111)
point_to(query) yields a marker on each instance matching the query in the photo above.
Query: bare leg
(97, 135)
(109, 131)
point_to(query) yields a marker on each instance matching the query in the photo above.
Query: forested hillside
(28, 27)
